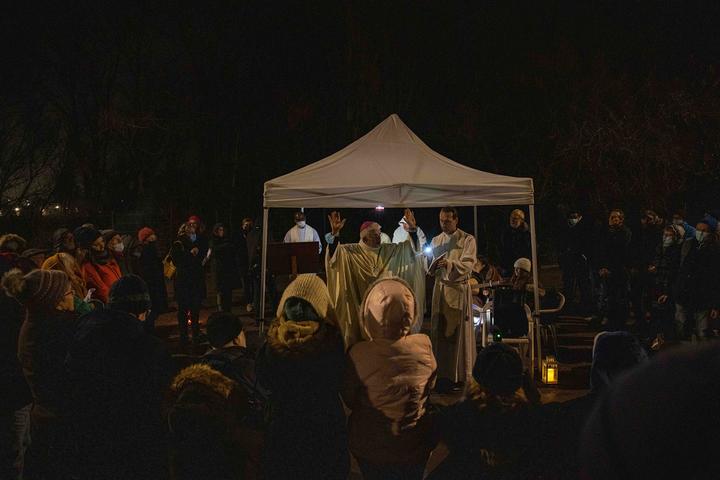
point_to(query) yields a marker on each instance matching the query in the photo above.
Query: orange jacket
(101, 277)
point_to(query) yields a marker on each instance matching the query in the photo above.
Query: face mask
(573, 221)
(667, 241)
(193, 237)
(300, 224)
(700, 236)
(677, 221)
(119, 247)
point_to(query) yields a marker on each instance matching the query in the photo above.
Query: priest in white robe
(302, 232)
(453, 334)
(401, 234)
(352, 268)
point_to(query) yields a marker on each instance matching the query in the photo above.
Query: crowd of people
(661, 274)
(90, 392)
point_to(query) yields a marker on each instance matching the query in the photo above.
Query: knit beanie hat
(31, 252)
(710, 221)
(39, 289)
(222, 327)
(193, 219)
(523, 264)
(498, 369)
(85, 236)
(366, 226)
(58, 237)
(144, 233)
(313, 290)
(129, 294)
(108, 234)
(12, 243)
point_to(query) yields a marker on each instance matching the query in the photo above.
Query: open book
(433, 265)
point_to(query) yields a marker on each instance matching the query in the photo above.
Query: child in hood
(387, 383)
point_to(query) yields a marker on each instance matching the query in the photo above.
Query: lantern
(550, 370)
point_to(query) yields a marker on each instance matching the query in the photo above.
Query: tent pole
(475, 223)
(263, 279)
(536, 294)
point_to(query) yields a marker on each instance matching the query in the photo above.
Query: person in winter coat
(249, 259)
(663, 273)
(66, 263)
(387, 383)
(117, 376)
(150, 268)
(223, 252)
(613, 259)
(645, 242)
(494, 432)
(98, 266)
(11, 246)
(15, 400)
(574, 257)
(698, 282)
(189, 280)
(204, 421)
(43, 343)
(302, 365)
(116, 248)
(231, 357)
(514, 242)
(658, 421)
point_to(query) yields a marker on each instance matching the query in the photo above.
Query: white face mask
(667, 241)
(700, 236)
(119, 247)
(573, 221)
(300, 224)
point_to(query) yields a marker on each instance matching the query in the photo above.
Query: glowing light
(428, 250)
(379, 208)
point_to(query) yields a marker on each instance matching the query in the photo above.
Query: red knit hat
(144, 233)
(194, 219)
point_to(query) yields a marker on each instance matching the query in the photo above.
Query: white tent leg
(475, 224)
(263, 279)
(536, 296)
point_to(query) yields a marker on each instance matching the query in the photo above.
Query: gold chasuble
(354, 266)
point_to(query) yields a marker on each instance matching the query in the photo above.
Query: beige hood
(388, 310)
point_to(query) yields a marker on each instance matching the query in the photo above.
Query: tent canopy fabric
(392, 167)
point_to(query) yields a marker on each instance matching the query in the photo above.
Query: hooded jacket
(301, 363)
(388, 379)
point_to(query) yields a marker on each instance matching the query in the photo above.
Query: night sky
(151, 105)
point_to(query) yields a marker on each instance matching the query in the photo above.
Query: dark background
(166, 108)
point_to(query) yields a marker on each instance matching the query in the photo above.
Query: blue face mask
(193, 236)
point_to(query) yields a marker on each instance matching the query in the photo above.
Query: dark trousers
(576, 276)
(372, 471)
(224, 298)
(614, 304)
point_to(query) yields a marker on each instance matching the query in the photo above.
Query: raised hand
(410, 219)
(336, 222)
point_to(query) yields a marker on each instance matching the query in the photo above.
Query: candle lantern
(550, 370)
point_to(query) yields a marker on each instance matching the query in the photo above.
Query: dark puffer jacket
(116, 377)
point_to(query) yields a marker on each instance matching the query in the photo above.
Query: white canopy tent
(393, 167)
